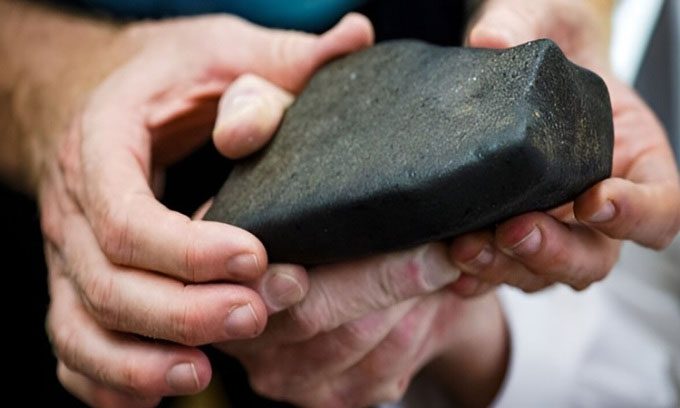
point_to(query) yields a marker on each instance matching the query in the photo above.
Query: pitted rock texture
(406, 142)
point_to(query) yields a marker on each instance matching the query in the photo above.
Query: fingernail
(183, 378)
(242, 322)
(245, 265)
(528, 245)
(238, 109)
(439, 271)
(282, 290)
(605, 213)
(482, 260)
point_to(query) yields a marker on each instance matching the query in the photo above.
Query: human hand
(578, 243)
(367, 327)
(121, 264)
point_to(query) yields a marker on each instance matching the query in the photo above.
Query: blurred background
(645, 52)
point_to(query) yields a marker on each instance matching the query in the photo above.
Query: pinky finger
(95, 394)
(116, 360)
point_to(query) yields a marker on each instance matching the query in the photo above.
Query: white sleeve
(615, 344)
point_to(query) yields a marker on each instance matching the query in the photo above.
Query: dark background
(31, 360)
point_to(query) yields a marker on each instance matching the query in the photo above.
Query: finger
(139, 368)
(642, 201)
(503, 24)
(200, 212)
(281, 286)
(97, 395)
(131, 226)
(344, 292)
(302, 367)
(384, 374)
(470, 286)
(484, 266)
(248, 115)
(288, 58)
(648, 214)
(571, 254)
(112, 182)
(153, 305)
(564, 213)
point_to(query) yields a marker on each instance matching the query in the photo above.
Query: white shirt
(616, 344)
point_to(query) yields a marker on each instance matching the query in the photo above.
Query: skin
(91, 140)
(304, 359)
(96, 160)
(578, 243)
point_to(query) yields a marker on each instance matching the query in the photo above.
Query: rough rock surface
(407, 142)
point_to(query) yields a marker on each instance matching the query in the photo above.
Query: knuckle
(580, 285)
(285, 49)
(307, 322)
(555, 261)
(584, 279)
(662, 242)
(405, 277)
(188, 325)
(581, 278)
(390, 287)
(129, 377)
(401, 337)
(67, 157)
(50, 326)
(66, 344)
(192, 256)
(114, 232)
(62, 375)
(281, 45)
(99, 298)
(531, 284)
(562, 256)
(50, 223)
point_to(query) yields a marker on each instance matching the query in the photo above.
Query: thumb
(249, 113)
(280, 61)
(504, 24)
(288, 58)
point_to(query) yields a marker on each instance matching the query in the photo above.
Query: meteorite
(407, 142)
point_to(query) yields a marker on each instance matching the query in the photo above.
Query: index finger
(344, 292)
(109, 174)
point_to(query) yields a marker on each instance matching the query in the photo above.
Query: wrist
(472, 368)
(53, 61)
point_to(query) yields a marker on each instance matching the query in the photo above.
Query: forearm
(41, 50)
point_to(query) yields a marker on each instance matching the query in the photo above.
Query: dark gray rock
(406, 143)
